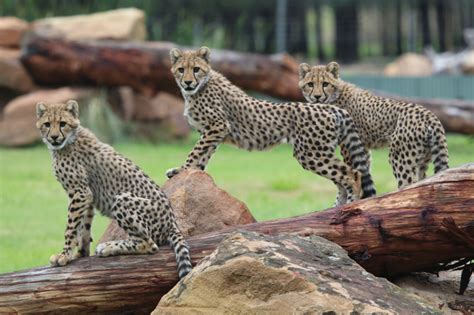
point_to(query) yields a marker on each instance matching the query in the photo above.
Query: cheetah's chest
(192, 116)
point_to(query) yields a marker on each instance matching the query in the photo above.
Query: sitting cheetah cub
(94, 175)
(413, 133)
(222, 112)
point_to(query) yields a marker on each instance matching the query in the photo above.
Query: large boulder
(467, 63)
(18, 120)
(199, 206)
(11, 31)
(121, 24)
(13, 74)
(409, 64)
(250, 273)
(159, 116)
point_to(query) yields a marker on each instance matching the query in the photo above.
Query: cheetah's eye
(310, 84)
(196, 69)
(62, 124)
(47, 124)
(181, 70)
(325, 84)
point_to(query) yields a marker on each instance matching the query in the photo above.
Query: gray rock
(250, 273)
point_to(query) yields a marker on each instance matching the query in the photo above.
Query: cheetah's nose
(317, 97)
(188, 82)
(54, 138)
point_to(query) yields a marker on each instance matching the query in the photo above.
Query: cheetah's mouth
(57, 143)
(188, 88)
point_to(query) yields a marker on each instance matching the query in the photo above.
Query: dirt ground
(440, 291)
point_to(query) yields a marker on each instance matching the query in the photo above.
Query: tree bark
(146, 66)
(347, 29)
(455, 115)
(421, 228)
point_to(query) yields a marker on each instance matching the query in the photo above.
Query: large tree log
(422, 227)
(146, 66)
(455, 115)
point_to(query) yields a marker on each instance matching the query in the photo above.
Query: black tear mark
(377, 223)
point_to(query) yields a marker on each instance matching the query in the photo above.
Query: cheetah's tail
(181, 250)
(438, 147)
(358, 156)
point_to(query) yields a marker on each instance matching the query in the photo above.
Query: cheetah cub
(222, 112)
(414, 134)
(94, 175)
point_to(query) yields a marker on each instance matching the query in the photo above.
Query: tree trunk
(346, 31)
(146, 66)
(398, 27)
(455, 115)
(440, 10)
(421, 228)
(319, 33)
(423, 8)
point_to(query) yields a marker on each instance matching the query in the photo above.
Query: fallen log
(146, 66)
(455, 115)
(423, 227)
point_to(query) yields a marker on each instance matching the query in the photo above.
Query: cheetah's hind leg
(129, 212)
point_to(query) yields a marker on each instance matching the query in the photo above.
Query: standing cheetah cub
(94, 175)
(414, 134)
(222, 112)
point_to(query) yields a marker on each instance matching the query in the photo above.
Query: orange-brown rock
(200, 206)
(11, 31)
(409, 64)
(121, 24)
(18, 121)
(13, 74)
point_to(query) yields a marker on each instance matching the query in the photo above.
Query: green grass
(33, 205)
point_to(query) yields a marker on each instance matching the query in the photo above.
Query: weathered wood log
(455, 115)
(146, 66)
(423, 227)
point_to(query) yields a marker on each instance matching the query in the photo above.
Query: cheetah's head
(57, 123)
(190, 69)
(320, 84)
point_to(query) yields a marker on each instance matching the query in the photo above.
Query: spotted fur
(222, 112)
(94, 175)
(414, 135)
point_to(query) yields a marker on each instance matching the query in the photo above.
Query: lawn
(272, 184)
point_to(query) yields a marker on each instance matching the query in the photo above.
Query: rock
(18, 122)
(467, 63)
(199, 206)
(13, 74)
(439, 291)
(409, 64)
(121, 24)
(160, 116)
(11, 31)
(250, 273)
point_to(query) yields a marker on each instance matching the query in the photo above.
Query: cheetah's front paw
(59, 259)
(173, 172)
(105, 249)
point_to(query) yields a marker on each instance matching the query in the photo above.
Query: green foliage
(33, 205)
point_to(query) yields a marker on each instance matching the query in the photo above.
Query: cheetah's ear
(204, 53)
(303, 69)
(175, 54)
(333, 67)
(73, 107)
(40, 109)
